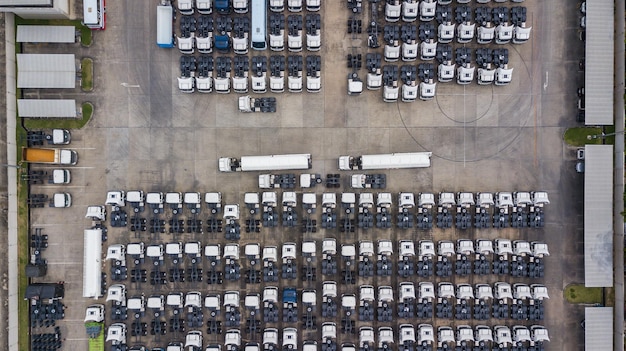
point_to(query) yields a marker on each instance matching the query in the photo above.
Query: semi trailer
(265, 163)
(385, 161)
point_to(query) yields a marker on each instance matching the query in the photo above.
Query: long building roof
(599, 56)
(46, 71)
(46, 34)
(598, 328)
(36, 108)
(598, 216)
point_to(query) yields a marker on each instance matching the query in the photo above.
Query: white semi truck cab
(59, 137)
(116, 334)
(204, 7)
(60, 176)
(96, 213)
(94, 313)
(61, 200)
(55, 137)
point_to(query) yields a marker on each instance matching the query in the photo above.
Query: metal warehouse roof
(46, 34)
(46, 108)
(46, 71)
(599, 55)
(598, 328)
(25, 3)
(598, 216)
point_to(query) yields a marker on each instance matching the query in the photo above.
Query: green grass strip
(578, 136)
(22, 185)
(22, 246)
(578, 293)
(86, 81)
(50, 123)
(97, 343)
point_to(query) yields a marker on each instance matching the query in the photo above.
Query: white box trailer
(385, 161)
(94, 16)
(92, 262)
(165, 25)
(265, 163)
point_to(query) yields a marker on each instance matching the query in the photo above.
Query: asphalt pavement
(147, 135)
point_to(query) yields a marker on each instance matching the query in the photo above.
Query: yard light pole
(10, 166)
(603, 135)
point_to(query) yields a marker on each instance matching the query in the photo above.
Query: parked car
(580, 166)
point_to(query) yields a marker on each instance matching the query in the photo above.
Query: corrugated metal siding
(599, 216)
(46, 34)
(24, 3)
(46, 62)
(46, 71)
(46, 108)
(599, 70)
(598, 328)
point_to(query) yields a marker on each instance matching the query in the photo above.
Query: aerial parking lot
(244, 258)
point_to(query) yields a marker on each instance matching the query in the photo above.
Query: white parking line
(464, 122)
(62, 263)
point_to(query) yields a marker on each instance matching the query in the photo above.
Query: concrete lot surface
(147, 135)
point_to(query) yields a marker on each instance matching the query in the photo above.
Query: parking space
(147, 135)
(229, 258)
